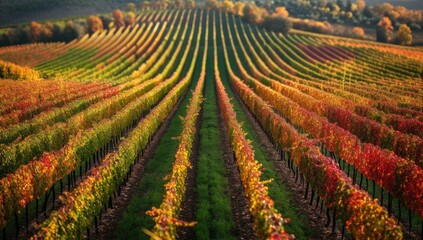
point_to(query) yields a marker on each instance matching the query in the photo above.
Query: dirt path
(311, 212)
(109, 219)
(239, 203)
(188, 206)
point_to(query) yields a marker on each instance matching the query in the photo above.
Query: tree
(383, 8)
(179, 4)
(47, 32)
(348, 7)
(323, 3)
(239, 8)
(340, 4)
(164, 3)
(144, 5)
(277, 23)
(118, 18)
(404, 35)
(94, 24)
(35, 30)
(228, 6)
(212, 4)
(130, 7)
(106, 21)
(253, 14)
(368, 13)
(4, 40)
(18, 35)
(384, 30)
(358, 32)
(130, 19)
(361, 4)
(70, 32)
(57, 33)
(281, 11)
(190, 4)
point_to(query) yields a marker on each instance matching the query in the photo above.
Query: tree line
(66, 31)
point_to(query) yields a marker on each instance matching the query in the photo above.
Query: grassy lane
(277, 191)
(149, 192)
(151, 189)
(214, 215)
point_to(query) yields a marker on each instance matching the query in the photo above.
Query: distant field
(412, 4)
(17, 12)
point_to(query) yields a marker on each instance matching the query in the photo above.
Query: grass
(150, 191)
(282, 197)
(213, 203)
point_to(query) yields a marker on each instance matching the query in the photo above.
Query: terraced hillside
(192, 124)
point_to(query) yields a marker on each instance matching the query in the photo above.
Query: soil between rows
(302, 205)
(109, 219)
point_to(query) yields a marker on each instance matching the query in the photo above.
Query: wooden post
(334, 221)
(36, 210)
(96, 224)
(74, 178)
(26, 218)
(317, 202)
(17, 225)
(354, 175)
(381, 196)
(69, 182)
(54, 195)
(328, 217)
(306, 192)
(374, 188)
(312, 197)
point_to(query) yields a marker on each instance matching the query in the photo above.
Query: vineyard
(192, 124)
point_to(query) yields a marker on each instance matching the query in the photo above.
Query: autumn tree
(212, 4)
(281, 11)
(361, 4)
(190, 4)
(47, 32)
(384, 30)
(18, 35)
(404, 35)
(144, 5)
(254, 14)
(130, 7)
(130, 19)
(70, 32)
(106, 21)
(57, 33)
(164, 3)
(228, 6)
(358, 32)
(277, 23)
(118, 18)
(35, 30)
(239, 8)
(179, 4)
(94, 24)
